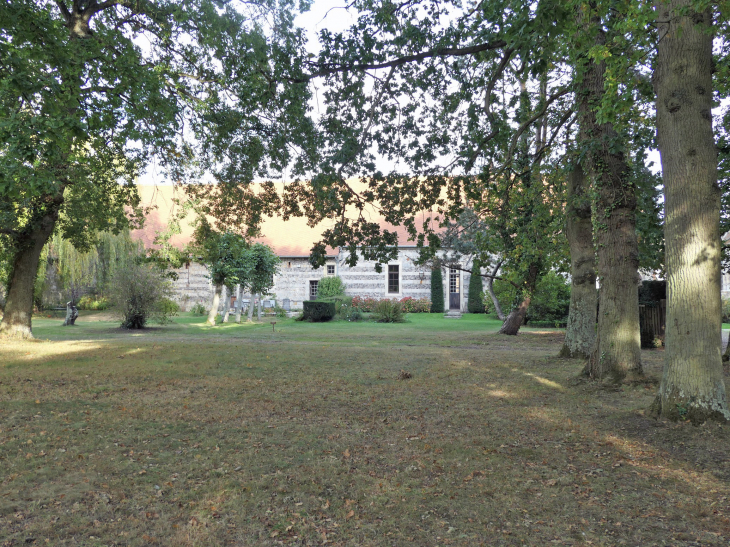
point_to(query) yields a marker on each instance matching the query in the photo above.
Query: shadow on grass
(181, 437)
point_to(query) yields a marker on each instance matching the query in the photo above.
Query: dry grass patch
(187, 437)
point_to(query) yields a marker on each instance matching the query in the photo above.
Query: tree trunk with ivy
(616, 354)
(581, 332)
(692, 385)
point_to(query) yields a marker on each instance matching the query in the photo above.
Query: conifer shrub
(476, 290)
(437, 291)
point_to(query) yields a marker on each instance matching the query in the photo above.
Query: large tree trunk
(16, 321)
(217, 290)
(581, 332)
(490, 290)
(692, 385)
(617, 351)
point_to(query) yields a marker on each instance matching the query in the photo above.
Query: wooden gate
(654, 317)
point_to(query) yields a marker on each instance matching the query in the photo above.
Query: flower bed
(408, 304)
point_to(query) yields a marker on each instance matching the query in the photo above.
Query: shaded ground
(238, 435)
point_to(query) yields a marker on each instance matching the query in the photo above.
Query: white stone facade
(294, 283)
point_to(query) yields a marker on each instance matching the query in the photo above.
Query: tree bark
(217, 290)
(226, 304)
(16, 321)
(516, 318)
(250, 308)
(238, 303)
(581, 332)
(490, 290)
(617, 351)
(71, 315)
(692, 385)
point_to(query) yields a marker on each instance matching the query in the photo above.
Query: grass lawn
(310, 435)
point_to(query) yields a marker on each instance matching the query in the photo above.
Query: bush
(329, 287)
(167, 308)
(319, 311)
(388, 311)
(279, 311)
(437, 291)
(141, 294)
(476, 290)
(415, 305)
(364, 304)
(88, 302)
(198, 309)
(551, 301)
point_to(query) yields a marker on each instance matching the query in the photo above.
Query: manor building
(297, 280)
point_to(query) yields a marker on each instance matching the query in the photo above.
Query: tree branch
(439, 52)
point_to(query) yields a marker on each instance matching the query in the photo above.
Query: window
(313, 289)
(454, 281)
(330, 269)
(393, 278)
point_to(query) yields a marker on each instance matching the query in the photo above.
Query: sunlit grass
(303, 434)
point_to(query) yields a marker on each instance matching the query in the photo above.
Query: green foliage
(437, 291)
(198, 309)
(140, 294)
(231, 260)
(551, 301)
(330, 287)
(90, 302)
(388, 311)
(95, 267)
(651, 292)
(319, 311)
(476, 290)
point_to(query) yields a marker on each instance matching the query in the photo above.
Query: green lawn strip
(243, 438)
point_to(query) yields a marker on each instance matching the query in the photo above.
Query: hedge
(319, 311)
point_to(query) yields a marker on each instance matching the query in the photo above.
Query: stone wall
(295, 275)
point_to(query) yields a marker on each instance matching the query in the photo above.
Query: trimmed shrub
(330, 287)
(388, 311)
(319, 311)
(476, 290)
(437, 291)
